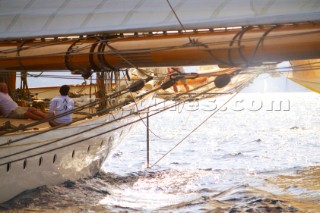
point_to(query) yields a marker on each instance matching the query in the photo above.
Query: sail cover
(37, 18)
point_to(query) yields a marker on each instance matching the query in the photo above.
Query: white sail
(34, 18)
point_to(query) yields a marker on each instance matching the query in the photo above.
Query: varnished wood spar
(227, 48)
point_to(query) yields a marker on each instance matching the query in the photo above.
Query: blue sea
(258, 153)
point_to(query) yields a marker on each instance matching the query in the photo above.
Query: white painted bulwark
(67, 153)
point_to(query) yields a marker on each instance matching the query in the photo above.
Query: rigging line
(204, 92)
(213, 56)
(270, 70)
(53, 128)
(61, 125)
(69, 144)
(77, 109)
(313, 82)
(176, 98)
(286, 74)
(43, 91)
(315, 69)
(75, 51)
(144, 72)
(303, 66)
(260, 42)
(251, 39)
(116, 94)
(216, 43)
(59, 139)
(259, 38)
(34, 46)
(105, 123)
(283, 69)
(308, 63)
(59, 76)
(49, 43)
(189, 92)
(139, 114)
(189, 134)
(240, 33)
(165, 108)
(93, 128)
(181, 108)
(127, 61)
(35, 76)
(21, 145)
(44, 44)
(55, 76)
(221, 42)
(63, 138)
(175, 14)
(68, 40)
(196, 128)
(57, 53)
(92, 103)
(239, 43)
(81, 140)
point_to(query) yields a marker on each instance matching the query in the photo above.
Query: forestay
(36, 18)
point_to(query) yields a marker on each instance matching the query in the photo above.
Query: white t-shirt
(61, 104)
(7, 105)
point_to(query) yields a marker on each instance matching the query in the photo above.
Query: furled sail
(37, 18)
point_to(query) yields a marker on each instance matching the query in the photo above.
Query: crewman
(10, 109)
(178, 70)
(61, 104)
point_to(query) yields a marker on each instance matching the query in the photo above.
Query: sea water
(258, 153)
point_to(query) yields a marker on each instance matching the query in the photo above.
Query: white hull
(79, 154)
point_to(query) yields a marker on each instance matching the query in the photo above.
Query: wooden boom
(243, 46)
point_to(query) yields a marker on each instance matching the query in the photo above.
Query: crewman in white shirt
(61, 104)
